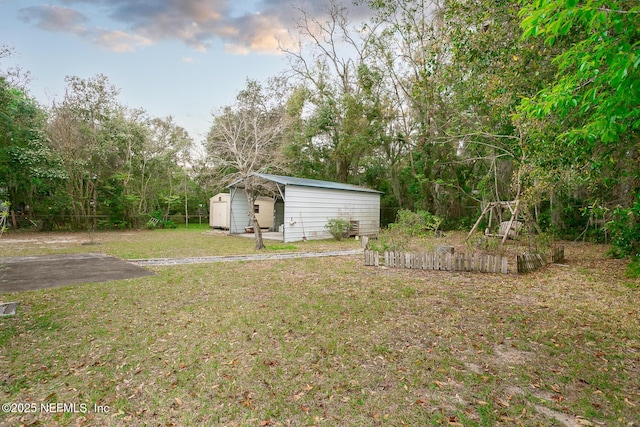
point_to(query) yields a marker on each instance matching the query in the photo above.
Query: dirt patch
(564, 419)
(48, 271)
(511, 356)
(42, 239)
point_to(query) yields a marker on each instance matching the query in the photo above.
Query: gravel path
(230, 258)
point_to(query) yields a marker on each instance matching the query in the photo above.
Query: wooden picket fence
(443, 261)
(557, 255)
(472, 262)
(529, 262)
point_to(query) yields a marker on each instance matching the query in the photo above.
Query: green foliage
(625, 232)
(158, 221)
(121, 164)
(339, 228)
(594, 97)
(29, 170)
(633, 270)
(419, 223)
(409, 228)
(392, 239)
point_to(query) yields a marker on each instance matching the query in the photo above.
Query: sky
(180, 58)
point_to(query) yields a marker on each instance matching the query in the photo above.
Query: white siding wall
(310, 208)
(240, 207)
(238, 214)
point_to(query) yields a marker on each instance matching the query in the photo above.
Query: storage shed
(304, 206)
(219, 211)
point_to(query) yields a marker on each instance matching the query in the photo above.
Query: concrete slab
(48, 271)
(266, 235)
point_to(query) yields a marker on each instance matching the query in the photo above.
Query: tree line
(440, 104)
(88, 162)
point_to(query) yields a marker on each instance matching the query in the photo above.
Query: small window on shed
(256, 208)
(220, 198)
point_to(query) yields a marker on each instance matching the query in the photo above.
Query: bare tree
(331, 61)
(246, 139)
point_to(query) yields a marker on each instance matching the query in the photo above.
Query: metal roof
(304, 182)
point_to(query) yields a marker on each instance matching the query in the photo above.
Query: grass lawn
(322, 341)
(134, 244)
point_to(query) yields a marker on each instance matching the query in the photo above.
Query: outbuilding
(303, 207)
(219, 211)
(220, 208)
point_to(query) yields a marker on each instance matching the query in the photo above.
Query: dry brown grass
(328, 341)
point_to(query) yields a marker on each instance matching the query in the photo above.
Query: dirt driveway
(48, 271)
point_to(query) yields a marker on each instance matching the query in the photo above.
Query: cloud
(134, 24)
(261, 33)
(120, 41)
(54, 18)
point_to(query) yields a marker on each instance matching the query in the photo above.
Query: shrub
(420, 223)
(625, 231)
(625, 236)
(339, 228)
(401, 235)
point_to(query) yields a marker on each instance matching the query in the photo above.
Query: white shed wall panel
(238, 213)
(308, 209)
(239, 208)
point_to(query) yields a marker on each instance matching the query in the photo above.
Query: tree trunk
(186, 203)
(257, 232)
(251, 199)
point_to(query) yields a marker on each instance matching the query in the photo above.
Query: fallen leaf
(421, 402)
(503, 403)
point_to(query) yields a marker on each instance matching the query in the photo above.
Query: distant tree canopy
(88, 161)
